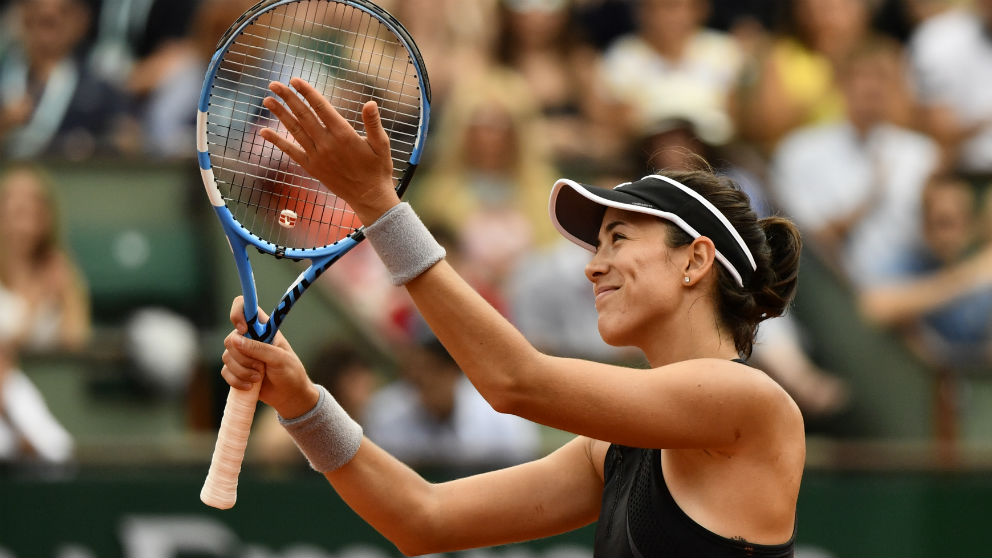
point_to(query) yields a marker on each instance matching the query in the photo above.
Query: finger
(234, 381)
(267, 354)
(232, 344)
(238, 318)
(375, 134)
(238, 315)
(247, 374)
(290, 121)
(330, 117)
(303, 112)
(294, 151)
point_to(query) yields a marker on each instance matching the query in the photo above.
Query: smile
(604, 291)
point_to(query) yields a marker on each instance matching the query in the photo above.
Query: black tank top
(639, 518)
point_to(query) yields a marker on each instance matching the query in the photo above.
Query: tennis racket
(352, 51)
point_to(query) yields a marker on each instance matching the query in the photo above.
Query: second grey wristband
(326, 435)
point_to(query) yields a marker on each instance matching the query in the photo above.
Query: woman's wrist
(300, 404)
(369, 210)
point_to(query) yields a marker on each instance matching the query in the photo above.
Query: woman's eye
(617, 236)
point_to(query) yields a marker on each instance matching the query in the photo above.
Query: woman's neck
(689, 335)
(671, 49)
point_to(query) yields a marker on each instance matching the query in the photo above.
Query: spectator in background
(790, 81)
(541, 40)
(951, 58)
(453, 36)
(672, 62)
(50, 102)
(433, 416)
(854, 186)
(944, 303)
(488, 179)
(43, 307)
(167, 82)
(135, 40)
(347, 373)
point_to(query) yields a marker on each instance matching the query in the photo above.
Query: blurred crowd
(868, 122)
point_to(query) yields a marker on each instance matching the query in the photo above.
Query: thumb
(258, 350)
(375, 134)
(237, 315)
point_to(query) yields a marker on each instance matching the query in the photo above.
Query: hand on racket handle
(284, 383)
(357, 169)
(248, 367)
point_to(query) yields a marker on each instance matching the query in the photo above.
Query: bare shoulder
(780, 420)
(739, 377)
(775, 393)
(769, 404)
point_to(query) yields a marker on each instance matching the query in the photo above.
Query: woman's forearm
(490, 351)
(913, 298)
(390, 496)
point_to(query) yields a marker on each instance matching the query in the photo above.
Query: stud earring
(686, 279)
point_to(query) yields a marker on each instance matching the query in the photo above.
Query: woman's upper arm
(704, 403)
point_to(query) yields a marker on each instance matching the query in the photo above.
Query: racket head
(352, 51)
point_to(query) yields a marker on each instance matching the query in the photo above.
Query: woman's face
(949, 221)
(635, 277)
(870, 84)
(490, 140)
(24, 216)
(536, 26)
(52, 28)
(676, 20)
(827, 22)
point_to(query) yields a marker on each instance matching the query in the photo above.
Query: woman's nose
(596, 267)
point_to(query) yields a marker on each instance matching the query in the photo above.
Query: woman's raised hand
(357, 169)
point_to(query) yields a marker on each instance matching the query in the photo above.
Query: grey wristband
(326, 435)
(403, 243)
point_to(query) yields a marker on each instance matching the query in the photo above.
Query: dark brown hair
(775, 244)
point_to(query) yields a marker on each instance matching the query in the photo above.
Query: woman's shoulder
(755, 383)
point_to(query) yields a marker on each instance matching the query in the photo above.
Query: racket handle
(220, 489)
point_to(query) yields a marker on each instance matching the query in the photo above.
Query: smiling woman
(748, 292)
(701, 455)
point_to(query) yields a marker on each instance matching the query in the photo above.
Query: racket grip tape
(220, 489)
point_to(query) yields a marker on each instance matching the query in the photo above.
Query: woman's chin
(612, 335)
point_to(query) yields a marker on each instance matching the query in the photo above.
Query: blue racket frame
(241, 238)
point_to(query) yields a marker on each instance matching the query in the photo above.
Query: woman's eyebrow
(614, 224)
(606, 230)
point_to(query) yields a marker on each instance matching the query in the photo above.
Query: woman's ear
(701, 254)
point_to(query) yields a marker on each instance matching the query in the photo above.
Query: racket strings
(355, 59)
(389, 79)
(272, 121)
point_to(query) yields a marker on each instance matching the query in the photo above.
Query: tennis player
(700, 455)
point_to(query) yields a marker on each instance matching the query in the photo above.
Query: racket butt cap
(219, 501)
